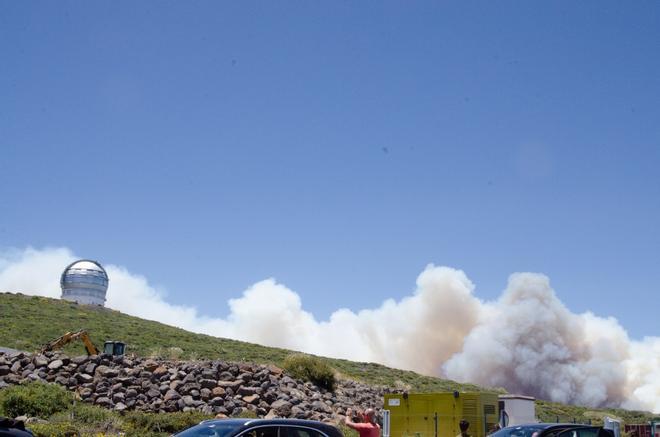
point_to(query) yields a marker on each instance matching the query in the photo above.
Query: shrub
(346, 431)
(35, 399)
(141, 423)
(246, 414)
(63, 429)
(174, 353)
(85, 414)
(310, 368)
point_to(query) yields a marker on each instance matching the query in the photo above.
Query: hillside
(27, 322)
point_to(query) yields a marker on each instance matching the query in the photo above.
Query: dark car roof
(550, 425)
(543, 428)
(243, 424)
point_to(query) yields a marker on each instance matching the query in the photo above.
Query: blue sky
(339, 147)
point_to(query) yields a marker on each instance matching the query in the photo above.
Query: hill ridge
(28, 322)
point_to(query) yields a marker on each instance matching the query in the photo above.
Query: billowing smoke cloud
(527, 341)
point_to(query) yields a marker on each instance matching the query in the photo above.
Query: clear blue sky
(339, 146)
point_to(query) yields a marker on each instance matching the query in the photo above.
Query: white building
(84, 281)
(519, 409)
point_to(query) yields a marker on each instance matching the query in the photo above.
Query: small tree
(310, 368)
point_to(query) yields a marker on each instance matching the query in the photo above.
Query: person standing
(464, 425)
(368, 428)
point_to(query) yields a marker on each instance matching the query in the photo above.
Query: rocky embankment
(212, 387)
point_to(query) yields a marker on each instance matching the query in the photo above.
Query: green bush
(310, 368)
(246, 414)
(140, 423)
(63, 429)
(35, 399)
(346, 431)
(88, 416)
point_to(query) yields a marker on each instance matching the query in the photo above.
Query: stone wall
(213, 387)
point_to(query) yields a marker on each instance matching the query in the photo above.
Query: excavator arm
(67, 338)
(91, 349)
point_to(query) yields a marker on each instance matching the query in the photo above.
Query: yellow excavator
(114, 348)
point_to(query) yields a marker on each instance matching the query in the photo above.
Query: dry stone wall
(213, 387)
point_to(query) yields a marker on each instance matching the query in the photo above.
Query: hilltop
(28, 322)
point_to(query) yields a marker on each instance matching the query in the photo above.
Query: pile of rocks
(213, 387)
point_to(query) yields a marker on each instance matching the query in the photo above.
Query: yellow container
(438, 414)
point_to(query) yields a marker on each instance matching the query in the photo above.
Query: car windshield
(518, 431)
(213, 429)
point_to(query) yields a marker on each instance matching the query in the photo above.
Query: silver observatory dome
(84, 281)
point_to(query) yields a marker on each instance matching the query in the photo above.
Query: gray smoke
(529, 342)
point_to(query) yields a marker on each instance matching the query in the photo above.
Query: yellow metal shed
(438, 414)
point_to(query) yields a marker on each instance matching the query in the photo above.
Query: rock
(90, 368)
(119, 406)
(321, 406)
(153, 393)
(81, 359)
(5, 370)
(54, 365)
(171, 395)
(160, 371)
(298, 413)
(150, 365)
(61, 380)
(225, 376)
(40, 361)
(230, 384)
(103, 401)
(274, 370)
(281, 407)
(209, 374)
(106, 372)
(246, 391)
(272, 414)
(218, 391)
(217, 401)
(251, 399)
(187, 388)
(84, 378)
(208, 383)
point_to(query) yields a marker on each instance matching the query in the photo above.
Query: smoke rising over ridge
(526, 341)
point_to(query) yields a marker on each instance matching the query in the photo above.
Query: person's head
(370, 415)
(464, 425)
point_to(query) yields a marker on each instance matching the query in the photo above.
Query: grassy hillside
(27, 322)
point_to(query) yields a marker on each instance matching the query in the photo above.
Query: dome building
(84, 281)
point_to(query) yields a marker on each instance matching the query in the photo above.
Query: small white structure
(519, 409)
(84, 281)
(613, 425)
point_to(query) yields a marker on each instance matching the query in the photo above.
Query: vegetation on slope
(28, 322)
(65, 417)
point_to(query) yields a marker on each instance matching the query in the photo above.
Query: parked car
(552, 430)
(261, 428)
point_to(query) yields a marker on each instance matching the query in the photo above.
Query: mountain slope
(28, 322)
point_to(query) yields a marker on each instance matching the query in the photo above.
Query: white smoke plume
(527, 341)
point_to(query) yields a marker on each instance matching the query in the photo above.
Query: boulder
(281, 407)
(54, 365)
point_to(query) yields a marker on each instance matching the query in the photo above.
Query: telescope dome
(84, 281)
